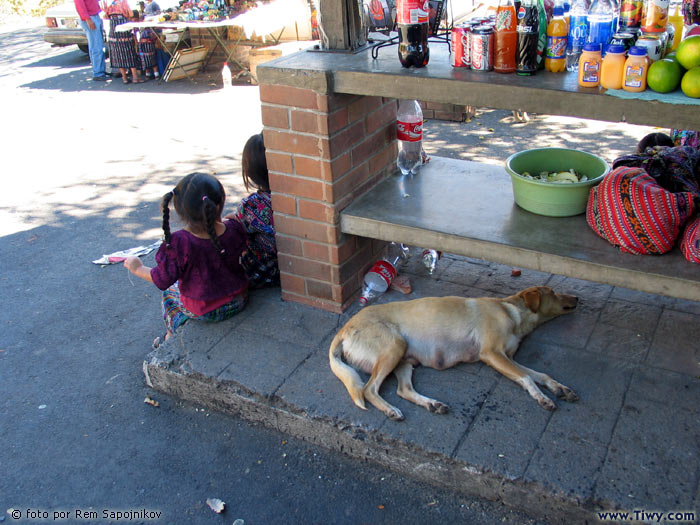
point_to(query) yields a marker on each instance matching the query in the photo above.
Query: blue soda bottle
(600, 20)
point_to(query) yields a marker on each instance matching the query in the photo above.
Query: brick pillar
(323, 151)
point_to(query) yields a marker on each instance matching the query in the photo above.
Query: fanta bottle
(557, 32)
(506, 38)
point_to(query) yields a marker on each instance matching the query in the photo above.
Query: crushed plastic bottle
(378, 279)
(430, 259)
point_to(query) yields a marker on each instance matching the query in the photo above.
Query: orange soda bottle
(557, 36)
(505, 38)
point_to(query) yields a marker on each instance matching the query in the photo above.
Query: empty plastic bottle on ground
(409, 132)
(430, 259)
(378, 279)
(226, 76)
(578, 31)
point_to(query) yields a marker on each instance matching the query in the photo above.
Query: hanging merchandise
(412, 25)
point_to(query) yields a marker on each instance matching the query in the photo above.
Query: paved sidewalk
(630, 443)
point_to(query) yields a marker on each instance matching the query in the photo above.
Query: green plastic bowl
(548, 198)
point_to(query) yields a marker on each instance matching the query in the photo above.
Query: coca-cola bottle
(409, 132)
(412, 24)
(378, 279)
(528, 35)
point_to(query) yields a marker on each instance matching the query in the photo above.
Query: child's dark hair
(654, 139)
(198, 200)
(254, 164)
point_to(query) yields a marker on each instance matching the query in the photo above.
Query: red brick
(289, 96)
(343, 140)
(384, 158)
(317, 211)
(275, 117)
(282, 203)
(292, 283)
(367, 148)
(309, 188)
(321, 290)
(347, 184)
(357, 110)
(305, 121)
(308, 167)
(345, 250)
(357, 264)
(334, 122)
(305, 229)
(304, 267)
(292, 143)
(316, 251)
(279, 162)
(329, 103)
(316, 303)
(288, 245)
(377, 119)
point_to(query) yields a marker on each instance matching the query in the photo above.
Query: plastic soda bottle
(528, 34)
(379, 277)
(409, 132)
(412, 25)
(430, 259)
(600, 19)
(578, 31)
(557, 36)
(505, 38)
(226, 76)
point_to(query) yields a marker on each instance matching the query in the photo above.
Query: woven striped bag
(631, 211)
(690, 241)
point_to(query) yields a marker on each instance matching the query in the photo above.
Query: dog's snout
(569, 302)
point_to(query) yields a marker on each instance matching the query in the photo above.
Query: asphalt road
(83, 167)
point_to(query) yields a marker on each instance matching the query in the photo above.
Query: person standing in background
(151, 8)
(122, 44)
(90, 21)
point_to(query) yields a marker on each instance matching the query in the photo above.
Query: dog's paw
(437, 407)
(395, 414)
(566, 393)
(547, 403)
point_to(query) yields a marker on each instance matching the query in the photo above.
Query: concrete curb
(173, 375)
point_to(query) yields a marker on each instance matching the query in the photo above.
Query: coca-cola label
(385, 270)
(412, 11)
(410, 131)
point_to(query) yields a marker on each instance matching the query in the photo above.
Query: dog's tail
(347, 374)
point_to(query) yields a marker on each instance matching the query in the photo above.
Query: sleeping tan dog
(440, 332)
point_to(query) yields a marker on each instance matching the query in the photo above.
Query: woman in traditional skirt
(147, 52)
(122, 45)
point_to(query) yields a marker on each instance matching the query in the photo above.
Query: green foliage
(35, 8)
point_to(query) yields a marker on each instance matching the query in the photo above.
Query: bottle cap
(638, 51)
(558, 10)
(592, 47)
(616, 49)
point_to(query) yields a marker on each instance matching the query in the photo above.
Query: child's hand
(132, 264)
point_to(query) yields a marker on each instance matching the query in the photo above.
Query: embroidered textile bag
(690, 241)
(630, 210)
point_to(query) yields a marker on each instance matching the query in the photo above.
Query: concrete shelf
(467, 208)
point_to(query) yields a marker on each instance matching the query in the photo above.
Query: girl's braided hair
(198, 200)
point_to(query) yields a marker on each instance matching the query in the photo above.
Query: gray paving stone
(634, 296)
(498, 279)
(566, 464)
(674, 389)
(505, 432)
(676, 344)
(600, 384)
(463, 391)
(463, 271)
(653, 458)
(260, 364)
(620, 342)
(573, 329)
(590, 293)
(314, 387)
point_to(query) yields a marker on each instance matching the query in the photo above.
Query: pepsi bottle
(412, 25)
(528, 35)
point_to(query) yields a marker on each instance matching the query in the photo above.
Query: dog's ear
(532, 299)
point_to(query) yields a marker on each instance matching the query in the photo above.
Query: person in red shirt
(90, 21)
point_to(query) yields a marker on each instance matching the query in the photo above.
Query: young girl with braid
(198, 268)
